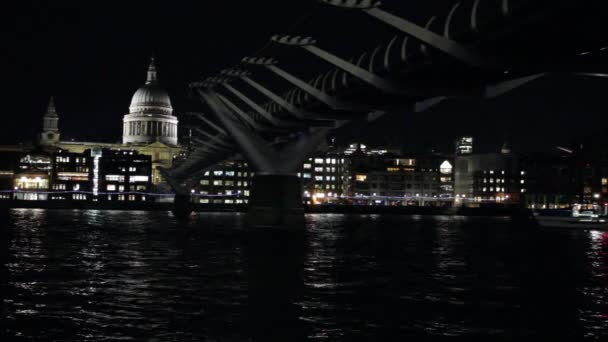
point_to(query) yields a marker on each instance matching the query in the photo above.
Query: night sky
(93, 58)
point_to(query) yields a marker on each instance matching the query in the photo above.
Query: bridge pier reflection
(276, 200)
(275, 264)
(182, 206)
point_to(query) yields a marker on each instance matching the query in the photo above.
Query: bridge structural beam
(276, 196)
(439, 42)
(314, 92)
(376, 81)
(261, 111)
(298, 113)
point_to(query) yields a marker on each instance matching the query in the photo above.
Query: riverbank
(497, 211)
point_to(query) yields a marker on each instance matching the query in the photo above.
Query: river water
(142, 276)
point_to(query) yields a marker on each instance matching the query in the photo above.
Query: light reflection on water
(96, 275)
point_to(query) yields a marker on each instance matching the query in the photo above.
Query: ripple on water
(136, 276)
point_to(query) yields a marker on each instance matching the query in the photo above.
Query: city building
(32, 177)
(70, 176)
(121, 175)
(488, 177)
(464, 146)
(150, 128)
(390, 179)
(226, 183)
(323, 177)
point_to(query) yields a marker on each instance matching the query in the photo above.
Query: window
(306, 175)
(229, 173)
(319, 178)
(115, 178)
(131, 198)
(205, 182)
(132, 169)
(79, 197)
(218, 183)
(319, 161)
(319, 169)
(307, 166)
(111, 187)
(361, 178)
(139, 179)
(218, 173)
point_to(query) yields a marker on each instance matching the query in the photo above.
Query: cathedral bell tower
(50, 126)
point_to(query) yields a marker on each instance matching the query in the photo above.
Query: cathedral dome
(150, 118)
(151, 98)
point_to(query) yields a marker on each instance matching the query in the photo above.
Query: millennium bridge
(277, 105)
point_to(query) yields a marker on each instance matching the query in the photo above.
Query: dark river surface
(135, 276)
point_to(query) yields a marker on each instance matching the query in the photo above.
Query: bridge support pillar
(182, 206)
(276, 201)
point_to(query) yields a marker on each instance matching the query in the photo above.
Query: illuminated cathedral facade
(150, 128)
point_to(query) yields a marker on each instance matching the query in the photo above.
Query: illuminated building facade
(149, 128)
(70, 176)
(121, 175)
(394, 180)
(227, 183)
(32, 177)
(323, 178)
(489, 178)
(464, 146)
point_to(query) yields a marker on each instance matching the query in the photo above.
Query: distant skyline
(93, 60)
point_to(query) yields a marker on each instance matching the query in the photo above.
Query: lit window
(306, 175)
(139, 179)
(111, 187)
(319, 161)
(307, 166)
(361, 178)
(218, 173)
(115, 178)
